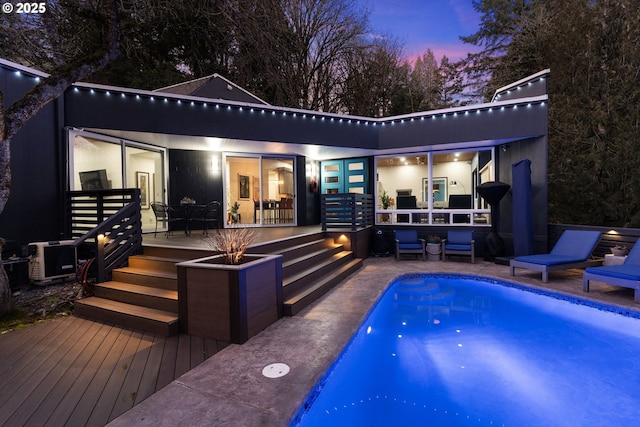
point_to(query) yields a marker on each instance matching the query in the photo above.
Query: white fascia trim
(224, 102)
(522, 82)
(23, 69)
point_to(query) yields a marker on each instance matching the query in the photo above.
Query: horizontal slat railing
(346, 210)
(87, 209)
(111, 221)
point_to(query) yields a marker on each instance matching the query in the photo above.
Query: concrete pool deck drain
(276, 370)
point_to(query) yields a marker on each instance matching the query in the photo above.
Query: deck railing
(346, 210)
(110, 220)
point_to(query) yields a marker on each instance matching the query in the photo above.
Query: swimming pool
(451, 350)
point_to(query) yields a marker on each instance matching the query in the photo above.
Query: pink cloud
(453, 51)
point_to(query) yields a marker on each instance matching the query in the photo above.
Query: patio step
(146, 296)
(128, 315)
(295, 283)
(309, 260)
(147, 277)
(142, 296)
(294, 253)
(313, 290)
(312, 264)
(156, 263)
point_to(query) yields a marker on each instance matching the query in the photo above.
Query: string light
(295, 114)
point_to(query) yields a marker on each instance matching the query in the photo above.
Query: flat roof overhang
(183, 122)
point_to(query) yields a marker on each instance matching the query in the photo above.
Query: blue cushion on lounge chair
(624, 271)
(572, 250)
(548, 259)
(626, 275)
(633, 258)
(572, 246)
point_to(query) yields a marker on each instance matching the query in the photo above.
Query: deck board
(30, 371)
(56, 400)
(59, 366)
(76, 372)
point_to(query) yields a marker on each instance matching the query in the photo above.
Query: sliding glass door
(260, 190)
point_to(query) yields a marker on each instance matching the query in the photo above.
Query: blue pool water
(446, 350)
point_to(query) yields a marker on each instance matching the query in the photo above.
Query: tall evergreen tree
(593, 52)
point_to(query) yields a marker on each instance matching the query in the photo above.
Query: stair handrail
(116, 238)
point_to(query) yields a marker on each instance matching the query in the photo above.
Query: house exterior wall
(113, 111)
(483, 126)
(34, 209)
(36, 206)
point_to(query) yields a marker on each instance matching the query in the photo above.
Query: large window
(433, 188)
(99, 162)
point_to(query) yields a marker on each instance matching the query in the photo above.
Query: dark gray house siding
(35, 209)
(231, 120)
(38, 158)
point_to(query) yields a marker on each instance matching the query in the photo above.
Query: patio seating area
(229, 388)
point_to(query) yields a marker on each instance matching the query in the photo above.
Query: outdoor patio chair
(165, 214)
(208, 216)
(459, 242)
(572, 250)
(407, 242)
(626, 275)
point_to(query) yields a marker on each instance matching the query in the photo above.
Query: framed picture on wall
(244, 183)
(142, 182)
(440, 190)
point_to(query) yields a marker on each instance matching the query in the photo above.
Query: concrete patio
(229, 389)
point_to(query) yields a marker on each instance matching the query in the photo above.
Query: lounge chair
(572, 250)
(407, 242)
(626, 274)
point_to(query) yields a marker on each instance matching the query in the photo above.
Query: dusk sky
(426, 24)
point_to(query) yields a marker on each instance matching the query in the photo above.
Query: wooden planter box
(229, 303)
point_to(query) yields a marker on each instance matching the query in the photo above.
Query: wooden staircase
(144, 295)
(311, 265)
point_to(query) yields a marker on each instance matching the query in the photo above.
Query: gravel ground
(41, 301)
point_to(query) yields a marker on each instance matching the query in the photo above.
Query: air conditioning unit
(52, 261)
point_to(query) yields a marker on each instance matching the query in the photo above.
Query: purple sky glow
(426, 24)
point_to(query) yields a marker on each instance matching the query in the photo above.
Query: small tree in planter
(230, 296)
(232, 243)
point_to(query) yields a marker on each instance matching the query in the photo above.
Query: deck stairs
(144, 295)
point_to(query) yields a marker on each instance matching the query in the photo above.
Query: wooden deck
(77, 372)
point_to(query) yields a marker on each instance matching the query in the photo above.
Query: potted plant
(433, 247)
(231, 295)
(385, 202)
(619, 250)
(234, 216)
